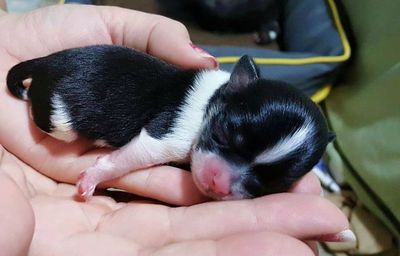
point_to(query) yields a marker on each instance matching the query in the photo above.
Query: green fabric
(364, 110)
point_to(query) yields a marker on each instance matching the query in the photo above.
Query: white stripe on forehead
(285, 146)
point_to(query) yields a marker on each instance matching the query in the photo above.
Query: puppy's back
(103, 92)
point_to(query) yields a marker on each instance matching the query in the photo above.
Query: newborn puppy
(245, 136)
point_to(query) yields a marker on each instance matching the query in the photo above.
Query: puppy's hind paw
(86, 186)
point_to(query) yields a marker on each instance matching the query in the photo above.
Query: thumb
(162, 37)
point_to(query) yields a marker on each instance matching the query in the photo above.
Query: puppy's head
(258, 137)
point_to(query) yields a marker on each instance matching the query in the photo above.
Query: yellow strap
(322, 93)
(310, 60)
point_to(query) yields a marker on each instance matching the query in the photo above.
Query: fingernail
(347, 236)
(204, 54)
(343, 236)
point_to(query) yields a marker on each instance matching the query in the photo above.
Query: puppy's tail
(17, 75)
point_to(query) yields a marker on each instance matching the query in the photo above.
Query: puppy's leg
(142, 152)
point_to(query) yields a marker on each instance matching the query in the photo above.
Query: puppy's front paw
(86, 185)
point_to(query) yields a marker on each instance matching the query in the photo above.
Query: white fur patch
(61, 121)
(150, 151)
(190, 116)
(285, 146)
(144, 151)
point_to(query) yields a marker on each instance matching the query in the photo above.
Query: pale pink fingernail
(203, 53)
(343, 236)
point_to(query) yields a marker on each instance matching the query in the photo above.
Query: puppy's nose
(217, 179)
(212, 174)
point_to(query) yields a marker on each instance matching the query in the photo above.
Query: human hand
(135, 227)
(56, 28)
(41, 217)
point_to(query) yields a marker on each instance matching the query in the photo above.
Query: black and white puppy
(245, 136)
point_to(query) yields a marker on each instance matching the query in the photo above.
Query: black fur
(106, 102)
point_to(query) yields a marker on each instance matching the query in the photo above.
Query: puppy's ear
(331, 136)
(244, 72)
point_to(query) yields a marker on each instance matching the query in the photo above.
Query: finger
(299, 215)
(16, 219)
(157, 35)
(308, 184)
(261, 243)
(164, 183)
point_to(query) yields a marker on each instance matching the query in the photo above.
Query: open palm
(42, 217)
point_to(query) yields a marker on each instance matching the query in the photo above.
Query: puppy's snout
(212, 174)
(216, 179)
